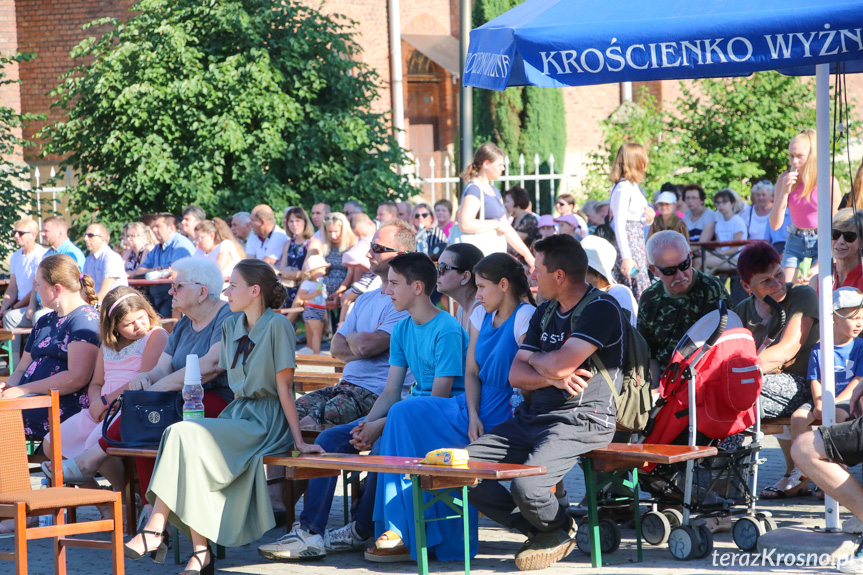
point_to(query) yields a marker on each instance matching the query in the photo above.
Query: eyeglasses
(849, 237)
(419, 215)
(682, 266)
(379, 249)
(444, 268)
(176, 286)
(21, 232)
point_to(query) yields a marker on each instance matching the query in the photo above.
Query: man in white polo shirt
(22, 266)
(103, 264)
(267, 239)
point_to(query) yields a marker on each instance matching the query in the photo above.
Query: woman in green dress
(209, 478)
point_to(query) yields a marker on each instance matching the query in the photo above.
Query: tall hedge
(525, 121)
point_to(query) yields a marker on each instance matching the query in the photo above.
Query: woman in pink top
(796, 190)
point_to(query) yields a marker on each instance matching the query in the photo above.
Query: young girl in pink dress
(132, 342)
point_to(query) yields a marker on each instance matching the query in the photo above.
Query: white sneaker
(853, 563)
(344, 539)
(298, 544)
(305, 350)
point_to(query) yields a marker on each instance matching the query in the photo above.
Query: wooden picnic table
(619, 460)
(144, 282)
(442, 481)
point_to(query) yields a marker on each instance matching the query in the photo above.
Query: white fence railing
(443, 183)
(50, 195)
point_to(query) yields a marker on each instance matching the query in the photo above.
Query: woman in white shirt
(757, 216)
(729, 228)
(628, 206)
(216, 242)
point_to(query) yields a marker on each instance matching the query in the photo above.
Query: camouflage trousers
(337, 405)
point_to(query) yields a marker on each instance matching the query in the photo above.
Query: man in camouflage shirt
(682, 296)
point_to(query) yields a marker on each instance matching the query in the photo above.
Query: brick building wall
(10, 95)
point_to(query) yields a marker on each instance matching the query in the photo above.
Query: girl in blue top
(497, 327)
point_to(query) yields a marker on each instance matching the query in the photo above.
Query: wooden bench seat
(620, 459)
(774, 425)
(449, 483)
(316, 372)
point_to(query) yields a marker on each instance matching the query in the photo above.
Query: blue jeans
(799, 245)
(319, 496)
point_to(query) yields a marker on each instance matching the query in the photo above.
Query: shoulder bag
(489, 242)
(144, 416)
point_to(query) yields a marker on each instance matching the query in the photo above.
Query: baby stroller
(714, 367)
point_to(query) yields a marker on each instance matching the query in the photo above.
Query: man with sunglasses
(682, 296)
(103, 264)
(22, 266)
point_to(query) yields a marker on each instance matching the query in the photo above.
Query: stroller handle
(777, 309)
(723, 323)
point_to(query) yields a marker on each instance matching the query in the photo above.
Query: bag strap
(605, 375)
(111, 416)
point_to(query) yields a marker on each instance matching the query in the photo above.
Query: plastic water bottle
(45, 520)
(193, 392)
(422, 243)
(321, 299)
(516, 400)
(633, 272)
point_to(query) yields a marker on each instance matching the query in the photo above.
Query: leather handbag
(144, 416)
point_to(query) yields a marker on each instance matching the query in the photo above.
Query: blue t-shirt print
(847, 363)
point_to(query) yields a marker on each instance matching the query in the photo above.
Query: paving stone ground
(497, 546)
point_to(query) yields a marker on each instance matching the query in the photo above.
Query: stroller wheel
(683, 542)
(746, 532)
(609, 536)
(705, 542)
(655, 527)
(675, 517)
(768, 523)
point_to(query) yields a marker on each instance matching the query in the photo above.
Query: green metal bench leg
(176, 533)
(639, 553)
(592, 513)
(420, 527)
(7, 348)
(465, 518)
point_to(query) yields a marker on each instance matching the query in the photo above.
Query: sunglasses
(92, 236)
(425, 215)
(444, 268)
(332, 219)
(379, 249)
(682, 266)
(561, 204)
(849, 237)
(21, 232)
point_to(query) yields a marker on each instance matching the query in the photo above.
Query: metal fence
(443, 182)
(49, 199)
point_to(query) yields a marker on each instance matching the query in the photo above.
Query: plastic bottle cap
(193, 368)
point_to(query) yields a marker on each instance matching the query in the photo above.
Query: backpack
(633, 402)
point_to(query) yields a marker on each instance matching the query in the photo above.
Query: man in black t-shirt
(571, 409)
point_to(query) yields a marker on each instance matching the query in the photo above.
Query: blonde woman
(796, 189)
(628, 205)
(137, 241)
(215, 241)
(482, 210)
(337, 239)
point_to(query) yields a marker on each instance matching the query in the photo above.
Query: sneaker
(344, 539)
(854, 562)
(298, 544)
(305, 350)
(545, 549)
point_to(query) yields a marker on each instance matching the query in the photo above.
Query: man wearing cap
(682, 296)
(666, 218)
(825, 454)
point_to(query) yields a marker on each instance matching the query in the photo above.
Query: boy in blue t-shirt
(847, 358)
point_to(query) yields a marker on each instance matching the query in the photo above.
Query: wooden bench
(6, 337)
(774, 425)
(308, 377)
(618, 460)
(449, 484)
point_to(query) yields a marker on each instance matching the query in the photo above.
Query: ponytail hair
(500, 265)
(261, 274)
(488, 152)
(60, 269)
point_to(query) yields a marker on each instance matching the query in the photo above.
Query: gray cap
(846, 297)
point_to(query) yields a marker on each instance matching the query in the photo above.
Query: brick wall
(10, 95)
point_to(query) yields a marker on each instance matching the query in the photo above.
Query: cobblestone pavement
(497, 546)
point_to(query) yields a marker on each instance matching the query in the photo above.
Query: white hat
(600, 256)
(847, 297)
(314, 262)
(666, 198)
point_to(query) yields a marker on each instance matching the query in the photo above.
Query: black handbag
(144, 416)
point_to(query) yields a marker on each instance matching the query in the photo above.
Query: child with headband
(132, 342)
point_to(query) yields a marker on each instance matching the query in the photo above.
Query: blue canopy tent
(560, 43)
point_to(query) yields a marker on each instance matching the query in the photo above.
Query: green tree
(527, 120)
(14, 198)
(735, 131)
(225, 104)
(642, 121)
